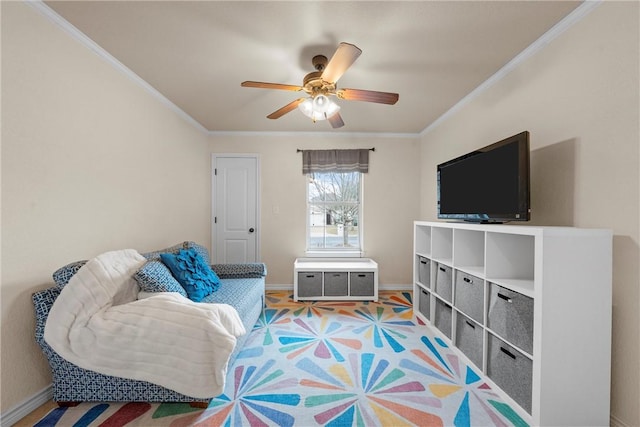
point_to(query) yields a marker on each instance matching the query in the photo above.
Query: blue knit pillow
(192, 272)
(154, 276)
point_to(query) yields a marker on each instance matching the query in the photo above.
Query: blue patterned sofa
(241, 286)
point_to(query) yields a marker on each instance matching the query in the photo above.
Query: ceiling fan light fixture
(318, 108)
(321, 103)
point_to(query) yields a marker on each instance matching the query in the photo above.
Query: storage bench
(335, 279)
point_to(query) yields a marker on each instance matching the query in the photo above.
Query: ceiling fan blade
(342, 59)
(262, 85)
(367, 96)
(336, 121)
(284, 110)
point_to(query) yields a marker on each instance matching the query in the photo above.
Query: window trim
(335, 253)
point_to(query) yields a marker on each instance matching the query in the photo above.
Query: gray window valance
(335, 161)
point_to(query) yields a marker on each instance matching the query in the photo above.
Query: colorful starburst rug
(328, 363)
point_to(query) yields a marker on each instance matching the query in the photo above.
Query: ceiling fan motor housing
(313, 83)
(319, 62)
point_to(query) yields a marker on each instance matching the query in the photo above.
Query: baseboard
(392, 287)
(275, 287)
(386, 287)
(27, 406)
(617, 422)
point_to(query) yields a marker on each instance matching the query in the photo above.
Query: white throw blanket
(98, 324)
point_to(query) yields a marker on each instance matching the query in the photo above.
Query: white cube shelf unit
(529, 306)
(335, 279)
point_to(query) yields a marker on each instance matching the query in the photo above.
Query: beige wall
(90, 162)
(390, 201)
(579, 99)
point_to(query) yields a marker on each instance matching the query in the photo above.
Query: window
(334, 212)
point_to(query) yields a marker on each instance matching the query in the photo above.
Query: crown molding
(316, 134)
(567, 22)
(78, 35)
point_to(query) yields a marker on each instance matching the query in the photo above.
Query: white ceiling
(196, 53)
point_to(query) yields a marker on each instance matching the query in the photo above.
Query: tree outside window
(333, 206)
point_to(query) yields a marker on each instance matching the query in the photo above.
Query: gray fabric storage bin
(469, 339)
(469, 296)
(309, 284)
(424, 303)
(424, 271)
(442, 318)
(511, 371)
(361, 284)
(443, 281)
(510, 315)
(336, 284)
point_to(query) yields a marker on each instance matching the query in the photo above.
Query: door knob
(251, 230)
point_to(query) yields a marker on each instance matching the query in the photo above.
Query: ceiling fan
(321, 84)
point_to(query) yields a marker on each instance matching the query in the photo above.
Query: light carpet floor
(328, 363)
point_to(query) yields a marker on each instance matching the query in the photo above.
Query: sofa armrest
(240, 271)
(42, 303)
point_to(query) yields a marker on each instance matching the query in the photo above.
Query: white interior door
(235, 208)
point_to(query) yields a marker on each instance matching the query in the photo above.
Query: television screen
(487, 185)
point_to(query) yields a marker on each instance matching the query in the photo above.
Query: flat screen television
(487, 185)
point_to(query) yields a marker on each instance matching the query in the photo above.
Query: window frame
(335, 252)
